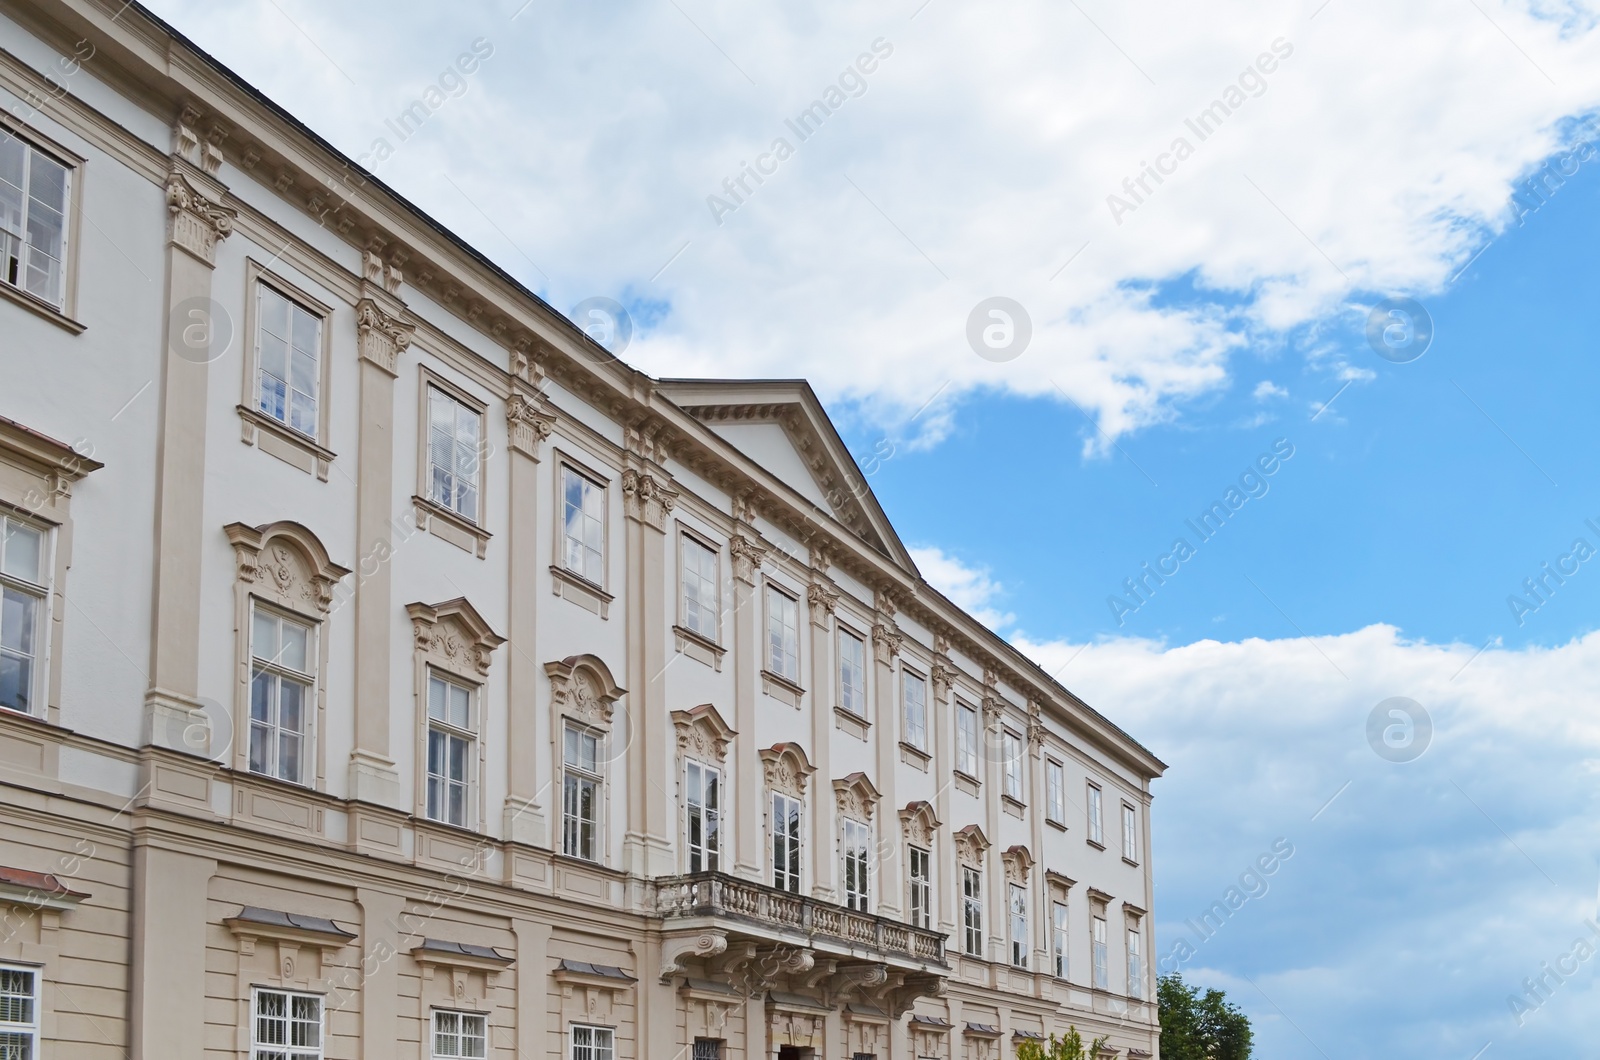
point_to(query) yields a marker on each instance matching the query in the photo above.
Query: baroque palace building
(387, 671)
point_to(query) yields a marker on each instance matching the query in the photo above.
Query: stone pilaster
(822, 597)
(528, 424)
(886, 641)
(942, 717)
(747, 551)
(169, 894)
(994, 880)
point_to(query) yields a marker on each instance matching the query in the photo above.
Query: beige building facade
(387, 671)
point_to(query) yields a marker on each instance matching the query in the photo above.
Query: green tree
(1068, 1048)
(1197, 1026)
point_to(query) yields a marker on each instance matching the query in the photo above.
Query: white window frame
(1094, 809)
(919, 878)
(706, 1049)
(1017, 919)
(318, 314)
(260, 1050)
(38, 655)
(451, 732)
(703, 614)
(595, 1048)
(1055, 788)
(787, 848)
(459, 1034)
(914, 710)
(967, 740)
(972, 911)
(1100, 954)
(778, 658)
(1059, 925)
(1130, 833)
(589, 523)
(852, 671)
(855, 848)
(1135, 964)
(29, 1029)
(68, 235)
(698, 779)
(280, 673)
(1011, 764)
(463, 410)
(580, 778)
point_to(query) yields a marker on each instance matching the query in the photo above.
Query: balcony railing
(714, 894)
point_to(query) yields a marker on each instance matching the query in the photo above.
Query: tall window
(967, 740)
(1130, 833)
(288, 361)
(921, 864)
(24, 561)
(459, 1035)
(19, 1013)
(454, 433)
(1055, 789)
(783, 635)
(857, 858)
(580, 793)
(852, 673)
(704, 803)
(1058, 937)
(1135, 965)
(707, 1049)
(1011, 753)
(282, 672)
(452, 737)
(972, 910)
(1096, 829)
(1102, 975)
(593, 1043)
(583, 528)
(1018, 900)
(699, 588)
(785, 842)
(286, 1026)
(34, 191)
(915, 692)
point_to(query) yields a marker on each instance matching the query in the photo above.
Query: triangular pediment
(780, 424)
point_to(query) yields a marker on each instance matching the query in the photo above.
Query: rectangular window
(852, 673)
(1135, 965)
(583, 528)
(921, 887)
(1011, 752)
(1096, 829)
(34, 192)
(1130, 833)
(1055, 790)
(19, 1013)
(593, 1043)
(707, 1049)
(1058, 938)
(460, 1035)
(452, 740)
(24, 590)
(454, 434)
(972, 910)
(1019, 925)
(914, 690)
(857, 858)
(785, 843)
(286, 1025)
(704, 801)
(1102, 975)
(580, 793)
(288, 361)
(783, 634)
(699, 588)
(966, 740)
(282, 675)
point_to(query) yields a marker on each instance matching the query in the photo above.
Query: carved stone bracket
(189, 145)
(676, 952)
(382, 337)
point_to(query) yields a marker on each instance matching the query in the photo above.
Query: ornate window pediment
(971, 845)
(702, 734)
(786, 768)
(452, 636)
(919, 823)
(1018, 863)
(581, 688)
(284, 563)
(856, 796)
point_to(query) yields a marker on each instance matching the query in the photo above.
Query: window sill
(1015, 807)
(851, 722)
(781, 688)
(1130, 861)
(43, 309)
(285, 443)
(699, 647)
(581, 591)
(967, 783)
(914, 756)
(449, 526)
(1059, 826)
(1095, 843)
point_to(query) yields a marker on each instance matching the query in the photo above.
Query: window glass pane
(18, 616)
(23, 552)
(294, 654)
(274, 356)
(437, 693)
(47, 183)
(460, 707)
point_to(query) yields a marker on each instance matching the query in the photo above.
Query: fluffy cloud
(970, 588)
(979, 159)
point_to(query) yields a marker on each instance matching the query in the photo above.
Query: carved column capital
(382, 338)
(747, 557)
(886, 641)
(527, 423)
(646, 498)
(195, 220)
(823, 600)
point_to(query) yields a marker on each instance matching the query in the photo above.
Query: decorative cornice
(382, 338)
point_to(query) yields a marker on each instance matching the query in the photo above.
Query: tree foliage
(1068, 1048)
(1197, 1026)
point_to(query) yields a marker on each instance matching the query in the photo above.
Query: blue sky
(1172, 345)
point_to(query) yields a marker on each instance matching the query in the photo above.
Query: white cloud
(978, 162)
(970, 588)
(1267, 389)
